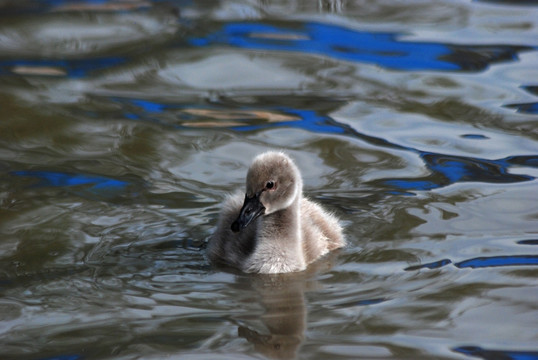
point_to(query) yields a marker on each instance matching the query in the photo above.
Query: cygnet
(273, 228)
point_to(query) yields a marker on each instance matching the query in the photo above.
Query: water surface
(126, 123)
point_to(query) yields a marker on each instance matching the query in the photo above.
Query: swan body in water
(273, 228)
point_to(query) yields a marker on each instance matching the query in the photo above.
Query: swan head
(273, 183)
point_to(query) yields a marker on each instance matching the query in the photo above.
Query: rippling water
(126, 123)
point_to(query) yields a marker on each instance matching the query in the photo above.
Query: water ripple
(444, 169)
(385, 49)
(70, 68)
(482, 262)
(84, 185)
(489, 354)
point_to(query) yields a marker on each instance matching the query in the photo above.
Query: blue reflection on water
(150, 106)
(46, 6)
(495, 261)
(432, 265)
(82, 185)
(528, 242)
(310, 120)
(370, 301)
(450, 169)
(482, 262)
(53, 178)
(496, 354)
(72, 68)
(380, 48)
(444, 169)
(474, 136)
(526, 107)
(63, 357)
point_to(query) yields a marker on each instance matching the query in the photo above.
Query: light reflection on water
(126, 123)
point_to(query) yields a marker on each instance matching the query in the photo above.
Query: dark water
(125, 123)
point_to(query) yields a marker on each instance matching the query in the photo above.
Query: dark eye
(269, 185)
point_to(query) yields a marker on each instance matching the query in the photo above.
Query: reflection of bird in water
(274, 229)
(284, 317)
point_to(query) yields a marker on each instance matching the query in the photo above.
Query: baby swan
(273, 229)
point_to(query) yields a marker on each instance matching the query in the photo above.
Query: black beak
(251, 210)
